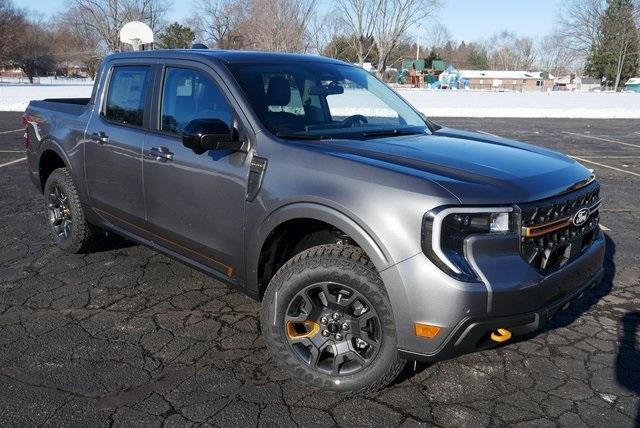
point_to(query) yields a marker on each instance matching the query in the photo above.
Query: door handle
(161, 153)
(100, 137)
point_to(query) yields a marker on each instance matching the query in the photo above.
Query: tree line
(600, 38)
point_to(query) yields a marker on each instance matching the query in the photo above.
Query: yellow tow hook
(500, 335)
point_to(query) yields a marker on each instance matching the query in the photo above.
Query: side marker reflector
(427, 331)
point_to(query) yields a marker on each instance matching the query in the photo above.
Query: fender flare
(49, 144)
(310, 210)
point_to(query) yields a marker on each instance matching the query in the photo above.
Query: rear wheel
(69, 229)
(328, 321)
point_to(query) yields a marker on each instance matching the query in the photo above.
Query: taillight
(25, 122)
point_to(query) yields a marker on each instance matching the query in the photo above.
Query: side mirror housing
(201, 135)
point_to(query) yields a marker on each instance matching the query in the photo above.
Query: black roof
(229, 56)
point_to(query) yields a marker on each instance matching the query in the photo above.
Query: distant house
(11, 72)
(576, 83)
(508, 80)
(588, 84)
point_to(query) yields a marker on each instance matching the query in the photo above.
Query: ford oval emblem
(581, 217)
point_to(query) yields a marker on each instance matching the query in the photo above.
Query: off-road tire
(348, 265)
(82, 235)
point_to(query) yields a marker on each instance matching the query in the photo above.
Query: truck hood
(475, 168)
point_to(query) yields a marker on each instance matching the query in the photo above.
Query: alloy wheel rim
(333, 328)
(59, 212)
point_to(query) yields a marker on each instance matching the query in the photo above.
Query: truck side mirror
(201, 135)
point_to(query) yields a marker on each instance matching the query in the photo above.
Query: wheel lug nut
(325, 333)
(338, 336)
(323, 320)
(345, 326)
(335, 316)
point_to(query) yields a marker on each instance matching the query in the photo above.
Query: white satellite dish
(136, 33)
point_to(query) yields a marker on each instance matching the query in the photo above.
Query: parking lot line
(12, 162)
(11, 151)
(605, 228)
(611, 157)
(602, 139)
(9, 132)
(605, 166)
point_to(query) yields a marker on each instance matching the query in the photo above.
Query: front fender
(375, 250)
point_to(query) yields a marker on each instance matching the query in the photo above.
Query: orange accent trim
(292, 333)
(228, 270)
(425, 330)
(532, 232)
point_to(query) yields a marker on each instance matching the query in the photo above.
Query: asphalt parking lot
(125, 336)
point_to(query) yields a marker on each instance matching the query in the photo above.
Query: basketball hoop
(136, 34)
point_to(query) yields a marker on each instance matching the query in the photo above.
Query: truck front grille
(556, 230)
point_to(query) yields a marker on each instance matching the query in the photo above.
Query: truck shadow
(562, 319)
(110, 242)
(628, 358)
(589, 299)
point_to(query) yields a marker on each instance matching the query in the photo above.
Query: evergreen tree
(616, 52)
(479, 59)
(176, 36)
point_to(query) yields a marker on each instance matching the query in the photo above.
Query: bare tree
(33, 50)
(509, 52)
(12, 25)
(283, 24)
(220, 22)
(579, 24)
(273, 25)
(80, 43)
(323, 30)
(554, 56)
(359, 18)
(105, 18)
(395, 18)
(438, 35)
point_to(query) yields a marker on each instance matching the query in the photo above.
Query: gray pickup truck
(371, 235)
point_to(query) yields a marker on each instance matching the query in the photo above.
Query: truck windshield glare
(332, 100)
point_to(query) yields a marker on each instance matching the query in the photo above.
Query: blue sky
(467, 19)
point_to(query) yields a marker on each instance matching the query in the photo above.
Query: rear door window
(127, 94)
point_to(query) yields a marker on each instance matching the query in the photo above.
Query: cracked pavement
(126, 336)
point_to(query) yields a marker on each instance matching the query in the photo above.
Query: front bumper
(511, 295)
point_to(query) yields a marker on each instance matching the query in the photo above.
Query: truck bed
(72, 106)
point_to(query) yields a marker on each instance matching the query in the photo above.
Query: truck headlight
(445, 229)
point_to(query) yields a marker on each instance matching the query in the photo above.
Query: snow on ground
(15, 97)
(584, 105)
(435, 103)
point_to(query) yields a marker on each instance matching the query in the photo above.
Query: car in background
(632, 85)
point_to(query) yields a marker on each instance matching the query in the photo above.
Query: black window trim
(157, 125)
(155, 121)
(148, 95)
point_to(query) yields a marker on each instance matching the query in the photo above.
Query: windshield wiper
(300, 136)
(386, 132)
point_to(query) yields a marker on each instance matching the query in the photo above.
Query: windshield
(318, 100)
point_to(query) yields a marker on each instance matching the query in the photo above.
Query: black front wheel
(328, 321)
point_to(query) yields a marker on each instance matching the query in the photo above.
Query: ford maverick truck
(371, 235)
